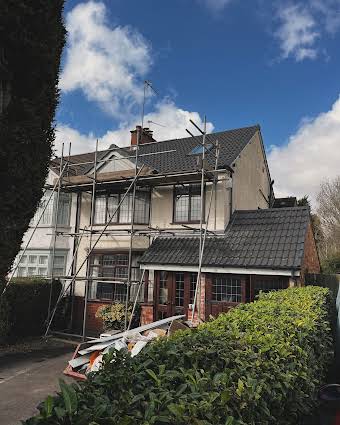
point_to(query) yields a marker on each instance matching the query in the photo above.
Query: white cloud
(328, 12)
(311, 155)
(171, 123)
(106, 63)
(80, 143)
(216, 5)
(297, 32)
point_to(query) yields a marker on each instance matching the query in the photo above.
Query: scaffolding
(95, 182)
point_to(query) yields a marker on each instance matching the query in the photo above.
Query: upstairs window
(106, 206)
(187, 203)
(47, 209)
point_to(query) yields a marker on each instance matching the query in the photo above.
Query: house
(249, 246)
(167, 199)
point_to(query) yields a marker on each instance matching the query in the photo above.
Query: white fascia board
(231, 270)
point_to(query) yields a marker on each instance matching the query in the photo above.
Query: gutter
(223, 270)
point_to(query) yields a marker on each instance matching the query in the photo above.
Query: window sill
(120, 224)
(187, 222)
(226, 302)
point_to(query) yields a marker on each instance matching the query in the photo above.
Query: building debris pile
(88, 356)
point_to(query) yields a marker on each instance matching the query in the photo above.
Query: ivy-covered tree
(316, 224)
(32, 36)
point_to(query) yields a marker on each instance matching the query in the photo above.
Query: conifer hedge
(32, 36)
(260, 364)
(23, 308)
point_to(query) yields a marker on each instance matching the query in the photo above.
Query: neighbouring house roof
(231, 142)
(78, 170)
(291, 201)
(268, 238)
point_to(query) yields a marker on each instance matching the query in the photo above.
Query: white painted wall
(250, 175)
(42, 240)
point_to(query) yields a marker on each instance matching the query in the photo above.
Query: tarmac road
(26, 380)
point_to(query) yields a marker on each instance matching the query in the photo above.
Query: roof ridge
(208, 134)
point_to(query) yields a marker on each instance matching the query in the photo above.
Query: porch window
(193, 281)
(227, 289)
(106, 206)
(187, 203)
(179, 298)
(270, 284)
(163, 287)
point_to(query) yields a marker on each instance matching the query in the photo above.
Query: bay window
(187, 203)
(39, 263)
(114, 268)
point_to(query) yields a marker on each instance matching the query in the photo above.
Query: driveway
(27, 378)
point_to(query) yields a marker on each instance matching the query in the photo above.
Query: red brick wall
(311, 262)
(201, 301)
(146, 314)
(93, 324)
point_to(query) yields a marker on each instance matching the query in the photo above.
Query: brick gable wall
(311, 263)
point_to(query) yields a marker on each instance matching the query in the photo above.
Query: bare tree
(329, 214)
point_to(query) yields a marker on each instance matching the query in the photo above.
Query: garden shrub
(23, 307)
(113, 315)
(259, 364)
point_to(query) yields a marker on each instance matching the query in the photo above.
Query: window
(106, 205)
(198, 150)
(42, 271)
(179, 298)
(33, 259)
(43, 259)
(21, 272)
(163, 287)
(40, 263)
(187, 203)
(227, 289)
(48, 215)
(267, 285)
(193, 281)
(64, 209)
(114, 266)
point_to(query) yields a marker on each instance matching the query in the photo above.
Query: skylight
(198, 150)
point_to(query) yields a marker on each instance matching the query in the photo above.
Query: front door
(174, 292)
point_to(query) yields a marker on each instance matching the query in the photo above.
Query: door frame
(170, 309)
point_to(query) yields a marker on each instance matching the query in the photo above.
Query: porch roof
(268, 238)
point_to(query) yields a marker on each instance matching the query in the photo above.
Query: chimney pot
(145, 135)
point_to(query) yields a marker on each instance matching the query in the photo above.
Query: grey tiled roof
(78, 170)
(231, 142)
(268, 238)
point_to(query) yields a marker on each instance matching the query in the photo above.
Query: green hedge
(23, 308)
(260, 364)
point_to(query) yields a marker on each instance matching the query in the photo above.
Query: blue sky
(275, 63)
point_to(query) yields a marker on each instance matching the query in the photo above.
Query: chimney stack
(145, 136)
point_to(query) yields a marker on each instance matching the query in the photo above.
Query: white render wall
(250, 175)
(42, 240)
